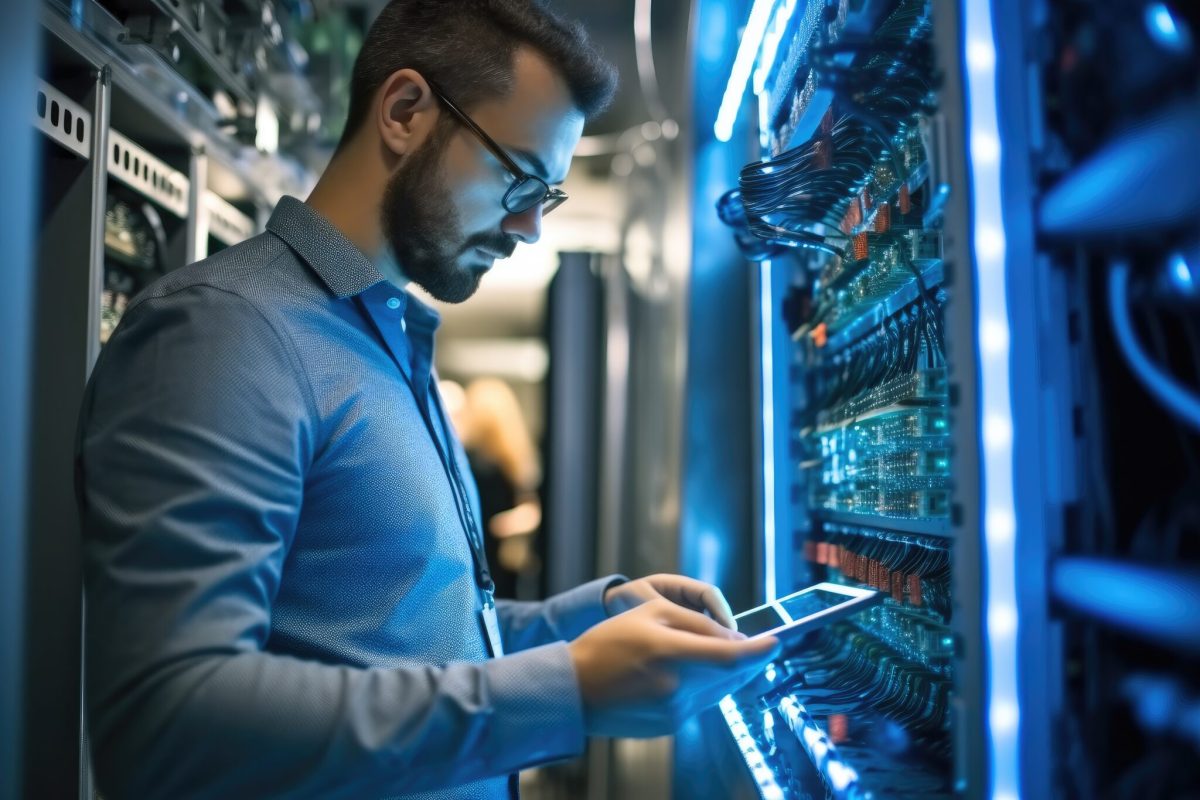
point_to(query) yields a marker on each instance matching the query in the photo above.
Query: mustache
(501, 244)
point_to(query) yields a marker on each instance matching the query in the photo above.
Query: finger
(715, 603)
(631, 594)
(698, 595)
(684, 619)
(717, 652)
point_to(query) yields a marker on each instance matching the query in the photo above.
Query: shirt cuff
(537, 707)
(574, 611)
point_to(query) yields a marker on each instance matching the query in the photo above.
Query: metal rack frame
(134, 166)
(63, 120)
(161, 152)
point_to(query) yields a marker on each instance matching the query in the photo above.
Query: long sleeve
(560, 618)
(195, 438)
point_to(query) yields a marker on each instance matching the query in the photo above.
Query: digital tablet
(806, 610)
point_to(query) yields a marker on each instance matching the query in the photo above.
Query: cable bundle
(799, 198)
(911, 340)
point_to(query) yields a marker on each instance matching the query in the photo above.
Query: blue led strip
(999, 515)
(764, 778)
(768, 433)
(840, 777)
(772, 41)
(767, 344)
(760, 44)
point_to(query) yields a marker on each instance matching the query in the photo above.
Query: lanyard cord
(462, 503)
(462, 499)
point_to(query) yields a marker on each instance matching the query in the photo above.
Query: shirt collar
(335, 259)
(341, 265)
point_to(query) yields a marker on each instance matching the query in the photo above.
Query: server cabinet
(1107, 390)
(1032, 222)
(882, 426)
(135, 178)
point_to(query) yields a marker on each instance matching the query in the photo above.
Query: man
(284, 585)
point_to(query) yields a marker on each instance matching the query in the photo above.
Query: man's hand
(642, 673)
(686, 592)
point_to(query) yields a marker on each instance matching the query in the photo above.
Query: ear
(405, 112)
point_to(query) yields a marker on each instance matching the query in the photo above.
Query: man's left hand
(687, 592)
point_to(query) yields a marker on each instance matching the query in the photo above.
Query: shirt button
(393, 303)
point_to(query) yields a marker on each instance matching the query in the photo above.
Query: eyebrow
(539, 167)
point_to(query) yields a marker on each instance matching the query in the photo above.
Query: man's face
(443, 213)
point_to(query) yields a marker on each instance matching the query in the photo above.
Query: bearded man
(286, 587)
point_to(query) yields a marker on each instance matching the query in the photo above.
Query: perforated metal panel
(225, 223)
(149, 176)
(63, 120)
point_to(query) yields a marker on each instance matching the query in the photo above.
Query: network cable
(1161, 384)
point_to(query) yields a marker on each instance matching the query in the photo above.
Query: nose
(526, 226)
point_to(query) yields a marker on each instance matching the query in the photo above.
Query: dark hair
(467, 47)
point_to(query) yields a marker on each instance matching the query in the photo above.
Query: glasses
(527, 191)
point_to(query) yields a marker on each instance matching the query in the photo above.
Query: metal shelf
(920, 526)
(933, 273)
(63, 120)
(147, 175)
(156, 107)
(226, 223)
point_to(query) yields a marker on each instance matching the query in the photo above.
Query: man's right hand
(643, 672)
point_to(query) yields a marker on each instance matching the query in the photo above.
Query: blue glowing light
(743, 64)
(768, 788)
(768, 423)
(1181, 274)
(1168, 32)
(840, 775)
(999, 513)
(1159, 18)
(771, 42)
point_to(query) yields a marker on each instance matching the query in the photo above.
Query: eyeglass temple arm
(462, 117)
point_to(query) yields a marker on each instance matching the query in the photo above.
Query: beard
(424, 229)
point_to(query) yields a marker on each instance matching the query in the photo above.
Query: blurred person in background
(489, 423)
(287, 593)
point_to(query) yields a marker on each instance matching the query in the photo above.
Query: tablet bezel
(856, 600)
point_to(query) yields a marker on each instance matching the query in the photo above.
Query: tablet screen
(762, 620)
(799, 607)
(802, 605)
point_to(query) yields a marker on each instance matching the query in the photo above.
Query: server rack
(136, 179)
(897, 478)
(1109, 418)
(1063, 147)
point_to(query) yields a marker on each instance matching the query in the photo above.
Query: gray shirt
(280, 594)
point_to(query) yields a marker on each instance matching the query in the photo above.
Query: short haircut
(467, 48)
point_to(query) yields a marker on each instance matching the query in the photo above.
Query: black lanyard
(463, 500)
